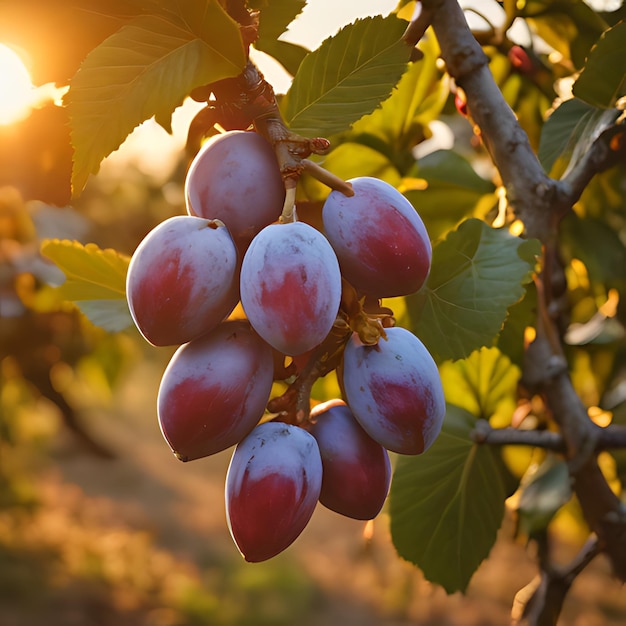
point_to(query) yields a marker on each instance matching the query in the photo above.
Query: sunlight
(16, 89)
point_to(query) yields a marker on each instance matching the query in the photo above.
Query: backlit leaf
(276, 15)
(477, 273)
(569, 133)
(95, 280)
(603, 79)
(345, 79)
(447, 504)
(544, 492)
(418, 99)
(484, 384)
(146, 69)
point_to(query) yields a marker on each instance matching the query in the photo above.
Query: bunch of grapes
(312, 305)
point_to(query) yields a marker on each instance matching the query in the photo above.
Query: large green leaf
(477, 273)
(146, 69)
(446, 505)
(344, 79)
(418, 99)
(569, 132)
(95, 281)
(603, 79)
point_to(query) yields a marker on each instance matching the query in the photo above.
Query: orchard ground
(142, 540)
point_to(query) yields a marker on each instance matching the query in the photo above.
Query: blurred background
(99, 523)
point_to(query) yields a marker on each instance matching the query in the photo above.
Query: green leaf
(559, 128)
(146, 69)
(452, 191)
(418, 99)
(344, 79)
(477, 273)
(95, 280)
(603, 79)
(446, 505)
(288, 54)
(276, 15)
(569, 133)
(544, 492)
(484, 384)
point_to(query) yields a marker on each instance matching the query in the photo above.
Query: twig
(611, 437)
(539, 603)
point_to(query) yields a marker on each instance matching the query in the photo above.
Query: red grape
(380, 240)
(394, 391)
(291, 286)
(214, 390)
(356, 469)
(272, 487)
(182, 280)
(235, 178)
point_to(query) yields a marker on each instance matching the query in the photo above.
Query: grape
(394, 391)
(380, 240)
(272, 487)
(235, 178)
(182, 280)
(356, 469)
(214, 390)
(291, 286)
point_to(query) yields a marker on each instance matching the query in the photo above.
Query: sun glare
(16, 89)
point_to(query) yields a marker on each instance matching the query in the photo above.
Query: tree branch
(539, 603)
(611, 437)
(605, 151)
(530, 192)
(540, 202)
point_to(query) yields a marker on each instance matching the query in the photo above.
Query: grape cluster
(307, 299)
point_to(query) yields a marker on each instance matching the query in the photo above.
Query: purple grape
(380, 240)
(182, 280)
(214, 390)
(235, 178)
(291, 286)
(356, 469)
(272, 487)
(394, 391)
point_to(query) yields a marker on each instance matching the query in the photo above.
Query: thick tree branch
(540, 202)
(530, 192)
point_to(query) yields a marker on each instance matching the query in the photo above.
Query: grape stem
(328, 178)
(288, 214)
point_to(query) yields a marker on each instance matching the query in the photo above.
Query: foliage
(361, 88)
